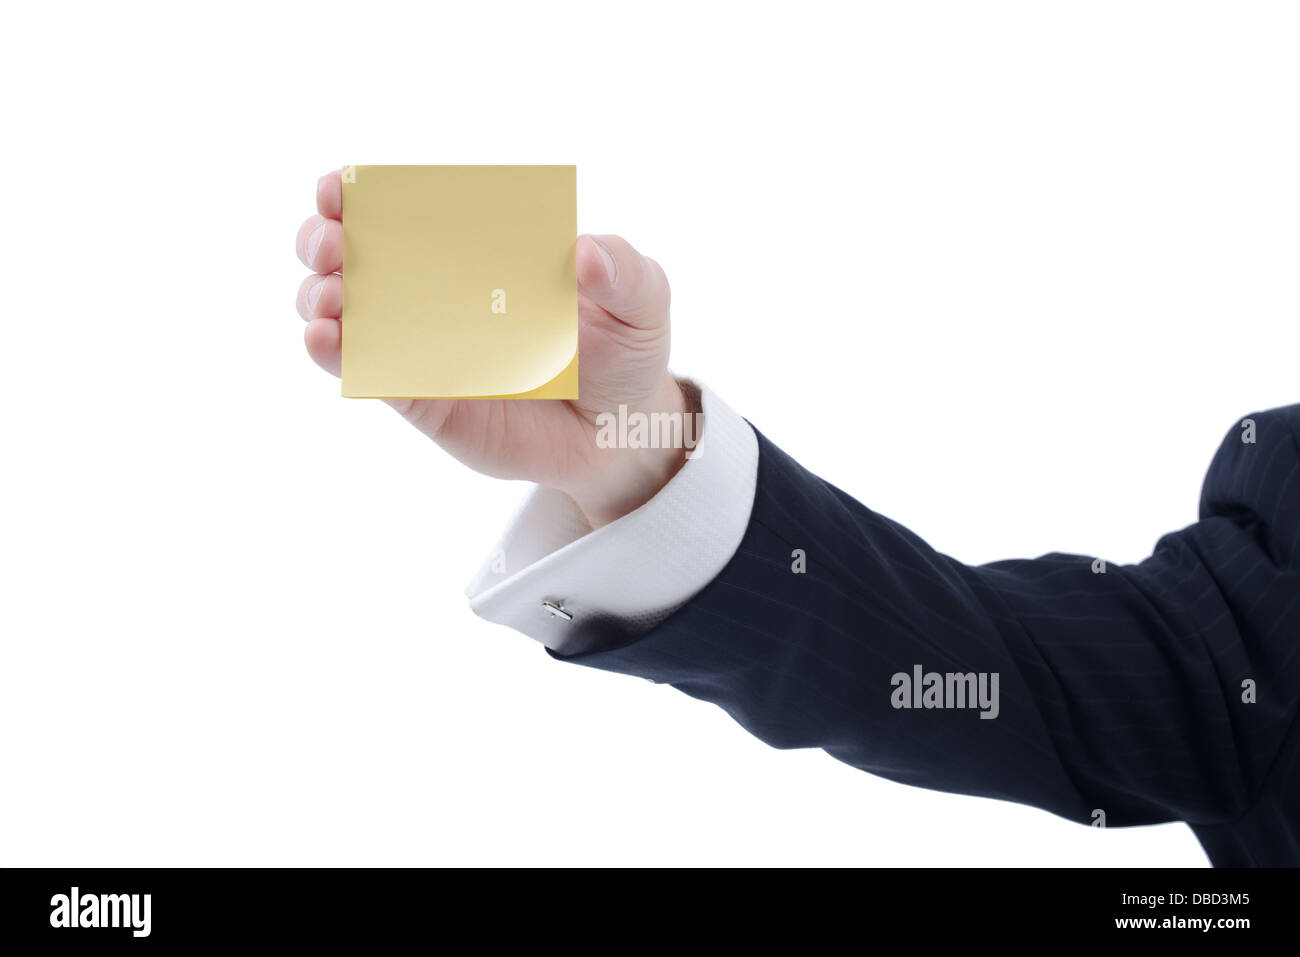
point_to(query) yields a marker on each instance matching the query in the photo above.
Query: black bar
(386, 907)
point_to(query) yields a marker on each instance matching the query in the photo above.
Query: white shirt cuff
(622, 579)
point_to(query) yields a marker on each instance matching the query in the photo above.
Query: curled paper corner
(562, 385)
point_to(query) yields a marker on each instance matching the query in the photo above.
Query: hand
(623, 343)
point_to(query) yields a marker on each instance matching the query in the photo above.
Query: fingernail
(313, 294)
(611, 267)
(313, 243)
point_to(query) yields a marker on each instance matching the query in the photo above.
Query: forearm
(1117, 691)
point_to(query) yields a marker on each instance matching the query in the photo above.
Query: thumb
(630, 287)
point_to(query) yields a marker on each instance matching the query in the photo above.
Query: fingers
(329, 195)
(321, 297)
(320, 244)
(627, 285)
(324, 338)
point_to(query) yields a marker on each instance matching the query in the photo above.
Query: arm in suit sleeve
(1119, 690)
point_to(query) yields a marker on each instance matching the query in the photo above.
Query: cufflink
(556, 610)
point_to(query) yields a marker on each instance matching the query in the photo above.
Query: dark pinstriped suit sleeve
(1120, 691)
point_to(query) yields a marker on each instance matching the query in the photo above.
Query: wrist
(634, 473)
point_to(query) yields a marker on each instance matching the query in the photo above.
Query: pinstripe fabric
(1119, 691)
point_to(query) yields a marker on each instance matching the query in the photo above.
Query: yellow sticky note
(459, 282)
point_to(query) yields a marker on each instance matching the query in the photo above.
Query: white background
(1006, 272)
